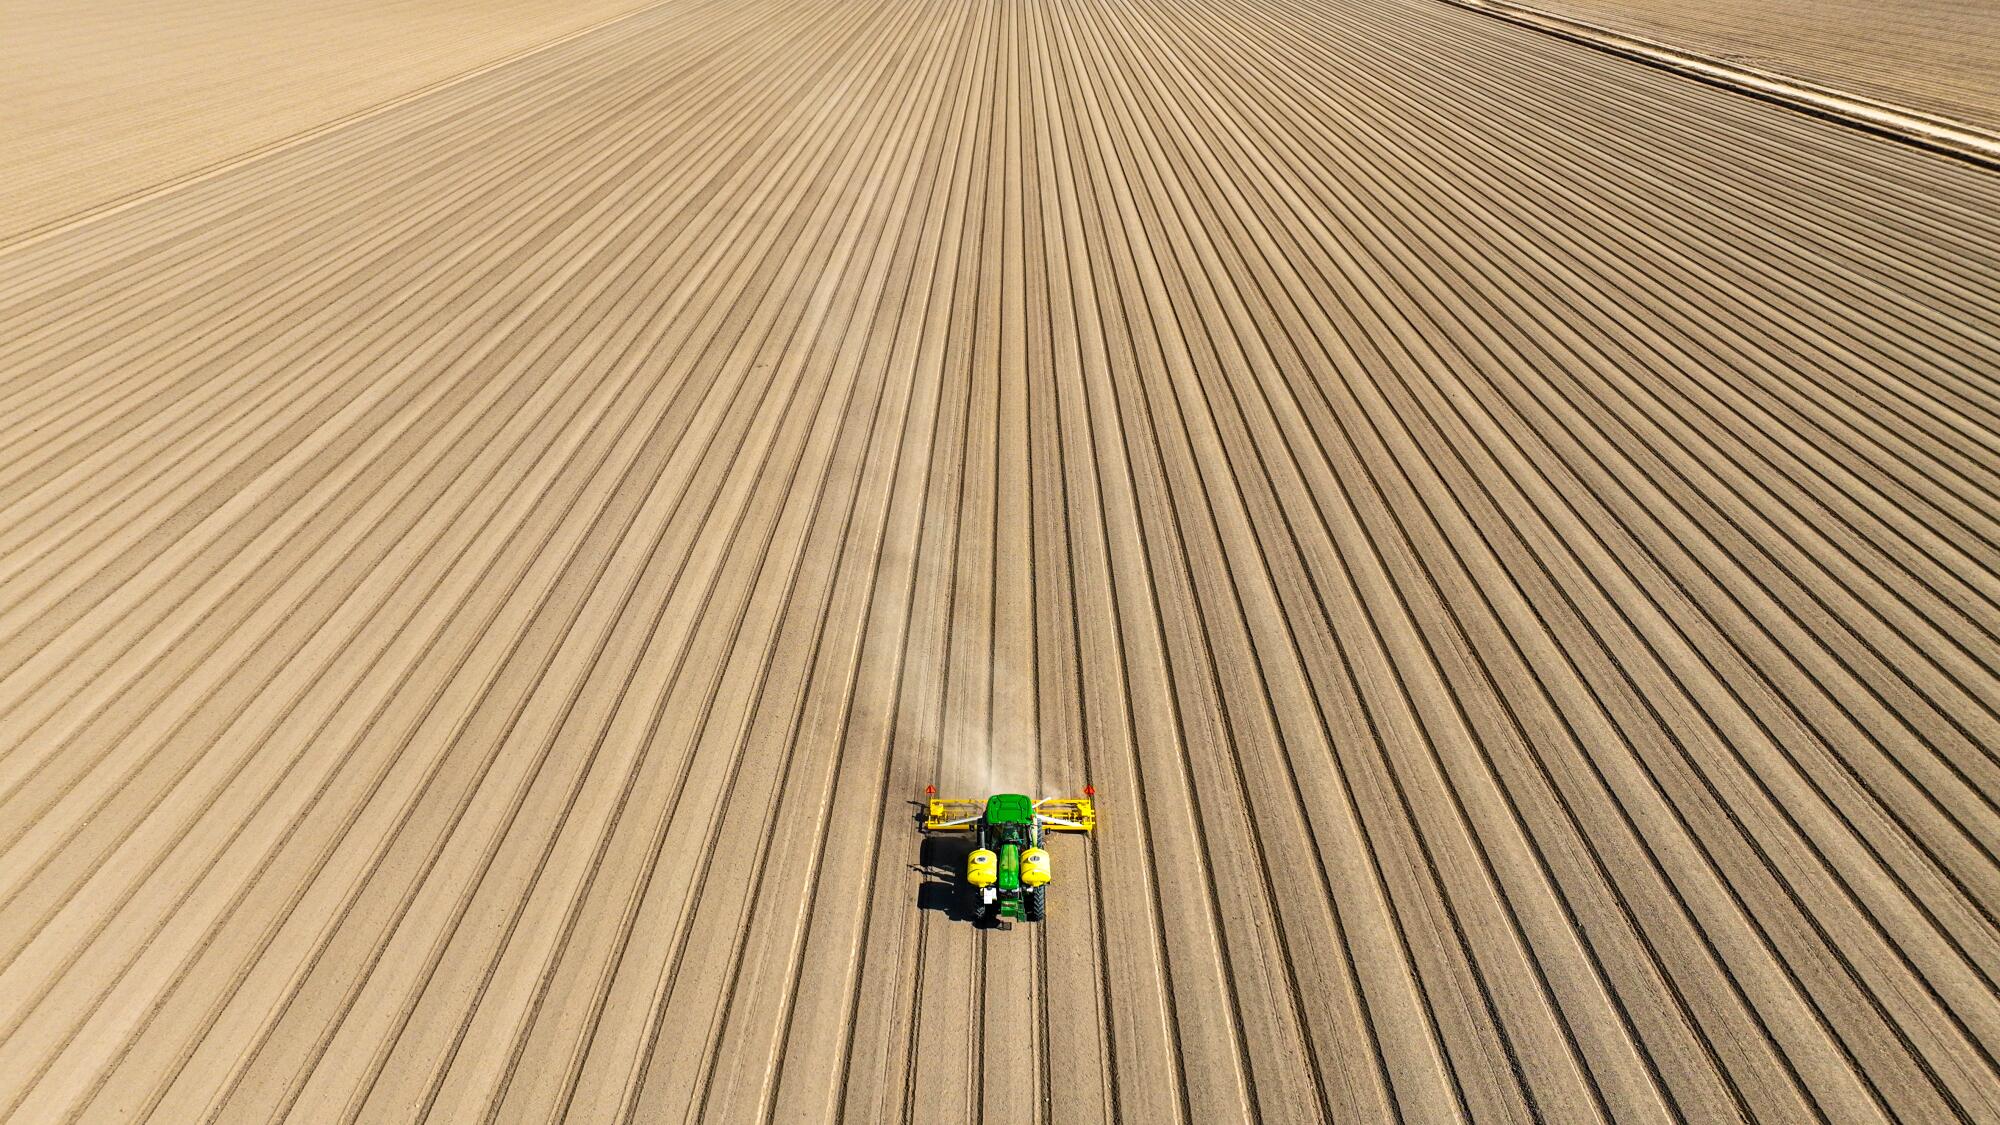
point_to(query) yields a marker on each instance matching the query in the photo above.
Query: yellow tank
(982, 867)
(1034, 867)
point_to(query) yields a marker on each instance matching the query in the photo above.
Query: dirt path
(1511, 537)
(1938, 56)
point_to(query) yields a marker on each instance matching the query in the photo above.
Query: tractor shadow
(941, 862)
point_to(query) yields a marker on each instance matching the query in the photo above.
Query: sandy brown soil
(1510, 535)
(106, 98)
(1940, 57)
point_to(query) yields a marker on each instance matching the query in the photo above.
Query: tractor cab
(1010, 818)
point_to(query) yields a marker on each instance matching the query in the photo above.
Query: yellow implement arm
(1067, 814)
(1060, 814)
(953, 814)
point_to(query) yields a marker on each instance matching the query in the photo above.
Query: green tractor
(1008, 868)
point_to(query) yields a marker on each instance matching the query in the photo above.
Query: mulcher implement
(1009, 868)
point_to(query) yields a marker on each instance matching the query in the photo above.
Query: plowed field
(1511, 536)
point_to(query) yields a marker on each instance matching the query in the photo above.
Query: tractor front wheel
(1034, 904)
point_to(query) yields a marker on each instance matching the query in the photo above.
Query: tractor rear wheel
(1034, 904)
